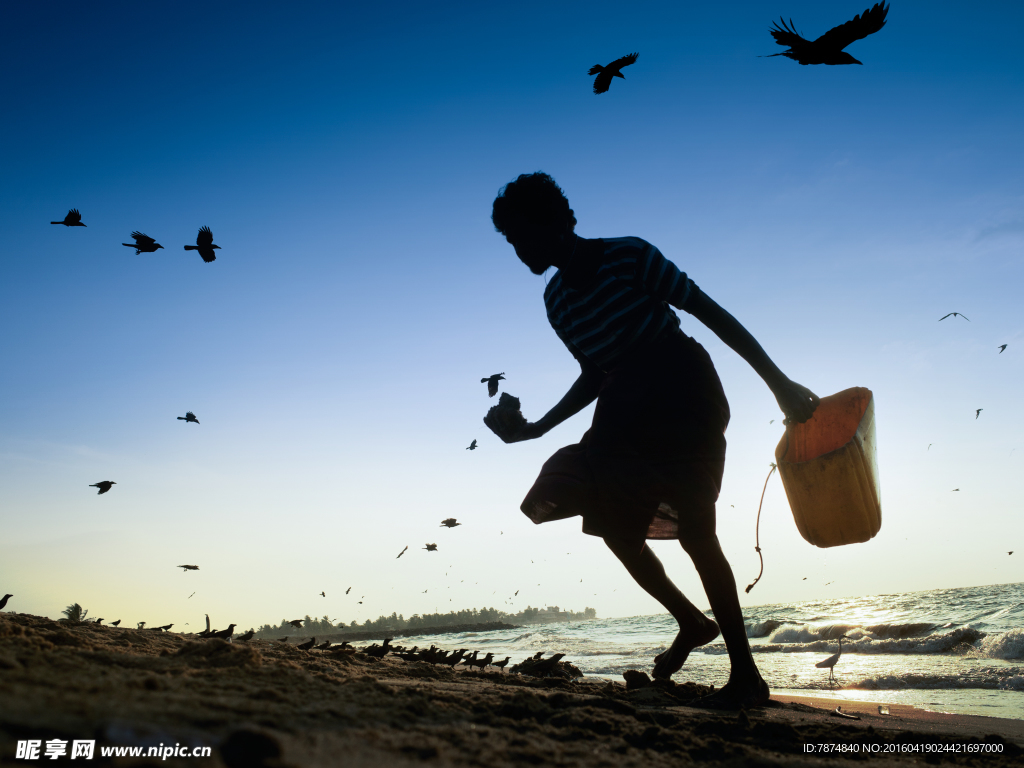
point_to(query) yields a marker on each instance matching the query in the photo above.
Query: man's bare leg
(695, 629)
(745, 687)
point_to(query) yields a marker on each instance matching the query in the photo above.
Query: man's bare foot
(736, 695)
(671, 661)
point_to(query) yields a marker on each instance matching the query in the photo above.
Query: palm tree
(75, 612)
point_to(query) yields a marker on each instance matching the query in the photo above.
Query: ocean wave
(960, 641)
(1004, 645)
(990, 678)
(899, 631)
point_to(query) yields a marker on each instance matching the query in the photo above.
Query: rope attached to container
(757, 530)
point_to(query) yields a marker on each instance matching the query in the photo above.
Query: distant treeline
(397, 621)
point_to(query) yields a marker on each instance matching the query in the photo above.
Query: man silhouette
(650, 466)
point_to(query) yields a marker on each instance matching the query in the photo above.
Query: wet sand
(270, 704)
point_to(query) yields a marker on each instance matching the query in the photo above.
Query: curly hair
(533, 203)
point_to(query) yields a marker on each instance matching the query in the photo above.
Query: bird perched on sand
(323, 646)
(247, 636)
(501, 664)
(104, 486)
(98, 621)
(399, 555)
(431, 547)
(955, 314)
(143, 244)
(472, 446)
(605, 74)
(828, 49)
(188, 568)
(307, 645)
(830, 662)
(115, 623)
(3, 603)
(977, 413)
(450, 522)
(204, 244)
(283, 639)
(73, 219)
(1002, 348)
(189, 417)
(538, 654)
(297, 623)
(167, 627)
(224, 634)
(492, 384)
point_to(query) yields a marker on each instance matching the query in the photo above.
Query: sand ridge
(271, 704)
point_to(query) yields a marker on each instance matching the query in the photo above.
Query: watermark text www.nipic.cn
(52, 749)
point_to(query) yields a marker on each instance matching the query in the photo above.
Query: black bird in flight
(189, 417)
(115, 623)
(143, 243)
(190, 596)
(104, 486)
(73, 219)
(450, 522)
(977, 413)
(828, 49)
(472, 446)
(399, 555)
(1002, 348)
(323, 595)
(188, 568)
(297, 623)
(955, 314)
(350, 588)
(3, 603)
(204, 244)
(605, 74)
(492, 384)
(431, 547)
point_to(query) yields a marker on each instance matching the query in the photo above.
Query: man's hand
(528, 431)
(796, 401)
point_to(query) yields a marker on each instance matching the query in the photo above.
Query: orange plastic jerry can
(830, 472)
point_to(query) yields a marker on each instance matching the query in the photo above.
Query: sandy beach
(271, 704)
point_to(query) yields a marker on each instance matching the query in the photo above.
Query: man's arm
(581, 394)
(796, 401)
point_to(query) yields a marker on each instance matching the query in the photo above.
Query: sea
(959, 651)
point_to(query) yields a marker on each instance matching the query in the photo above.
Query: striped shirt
(625, 306)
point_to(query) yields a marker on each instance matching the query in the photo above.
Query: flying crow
(189, 416)
(104, 486)
(399, 555)
(492, 384)
(297, 623)
(828, 49)
(1002, 348)
(431, 547)
(472, 446)
(73, 219)
(450, 522)
(605, 74)
(143, 243)
(188, 568)
(204, 244)
(955, 314)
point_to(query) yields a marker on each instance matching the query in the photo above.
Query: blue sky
(346, 158)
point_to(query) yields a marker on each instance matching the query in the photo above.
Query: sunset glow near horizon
(346, 160)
